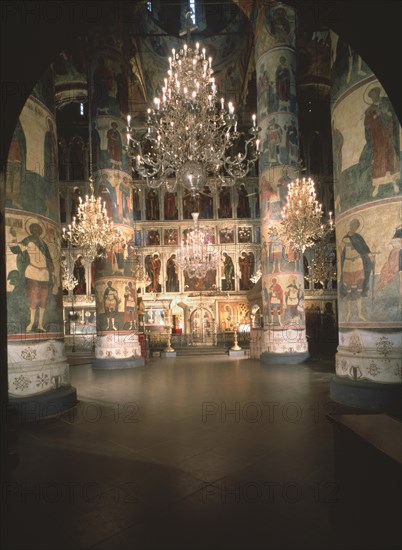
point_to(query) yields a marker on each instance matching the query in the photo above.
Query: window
(81, 109)
(192, 7)
(149, 6)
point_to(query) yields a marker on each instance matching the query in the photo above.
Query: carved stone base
(36, 367)
(117, 350)
(284, 358)
(367, 395)
(111, 364)
(285, 341)
(45, 405)
(236, 352)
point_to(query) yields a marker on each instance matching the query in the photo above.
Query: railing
(79, 342)
(158, 341)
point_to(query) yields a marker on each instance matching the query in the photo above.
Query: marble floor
(187, 453)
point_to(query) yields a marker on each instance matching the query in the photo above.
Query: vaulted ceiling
(34, 32)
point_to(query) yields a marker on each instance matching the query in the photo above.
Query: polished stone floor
(186, 453)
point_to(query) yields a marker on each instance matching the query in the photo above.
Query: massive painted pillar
(284, 339)
(39, 382)
(117, 343)
(368, 209)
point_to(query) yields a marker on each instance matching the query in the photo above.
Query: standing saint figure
(282, 79)
(172, 282)
(356, 267)
(34, 263)
(111, 303)
(152, 205)
(130, 304)
(153, 265)
(108, 195)
(243, 205)
(274, 136)
(225, 203)
(382, 132)
(169, 206)
(79, 274)
(246, 264)
(275, 302)
(228, 272)
(114, 146)
(292, 298)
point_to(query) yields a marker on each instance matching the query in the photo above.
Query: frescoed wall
(32, 170)
(231, 314)
(373, 299)
(70, 74)
(367, 174)
(193, 284)
(117, 302)
(33, 274)
(366, 147)
(282, 279)
(115, 287)
(35, 328)
(229, 72)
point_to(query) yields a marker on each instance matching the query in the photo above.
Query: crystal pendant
(192, 175)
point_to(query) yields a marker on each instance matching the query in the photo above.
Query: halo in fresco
(366, 94)
(37, 221)
(360, 219)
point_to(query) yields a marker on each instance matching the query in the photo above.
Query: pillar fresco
(368, 210)
(117, 343)
(282, 266)
(38, 370)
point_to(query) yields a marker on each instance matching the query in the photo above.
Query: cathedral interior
(256, 404)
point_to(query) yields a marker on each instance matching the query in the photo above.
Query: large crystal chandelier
(192, 134)
(302, 217)
(91, 230)
(197, 256)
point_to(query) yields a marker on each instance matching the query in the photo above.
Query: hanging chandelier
(191, 135)
(302, 217)
(91, 230)
(324, 262)
(68, 281)
(197, 256)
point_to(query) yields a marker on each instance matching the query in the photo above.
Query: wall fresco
(231, 314)
(32, 168)
(229, 70)
(274, 26)
(116, 300)
(368, 265)
(366, 152)
(282, 268)
(347, 67)
(194, 284)
(34, 293)
(366, 148)
(43, 91)
(153, 266)
(246, 263)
